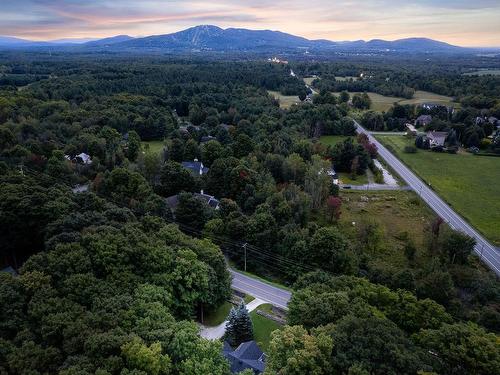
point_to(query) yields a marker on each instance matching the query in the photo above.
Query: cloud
(457, 21)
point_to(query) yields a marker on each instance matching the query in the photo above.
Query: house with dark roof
(207, 138)
(173, 201)
(246, 356)
(10, 270)
(196, 167)
(423, 120)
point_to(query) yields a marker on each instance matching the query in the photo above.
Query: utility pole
(245, 249)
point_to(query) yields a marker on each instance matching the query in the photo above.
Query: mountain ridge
(214, 38)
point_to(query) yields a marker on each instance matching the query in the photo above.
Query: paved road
(375, 187)
(489, 254)
(268, 293)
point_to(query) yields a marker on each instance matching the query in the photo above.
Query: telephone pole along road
(488, 253)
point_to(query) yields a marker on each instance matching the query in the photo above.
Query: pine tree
(239, 327)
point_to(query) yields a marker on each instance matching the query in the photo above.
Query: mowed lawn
(331, 140)
(421, 97)
(263, 327)
(470, 184)
(153, 146)
(285, 101)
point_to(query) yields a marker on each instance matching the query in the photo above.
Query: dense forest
(112, 278)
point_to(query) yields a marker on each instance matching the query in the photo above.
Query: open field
(395, 213)
(309, 80)
(342, 79)
(470, 184)
(263, 327)
(383, 103)
(153, 146)
(421, 97)
(285, 101)
(484, 72)
(331, 140)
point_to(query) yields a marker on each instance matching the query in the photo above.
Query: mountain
(209, 37)
(213, 38)
(108, 41)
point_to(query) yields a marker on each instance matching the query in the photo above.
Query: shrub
(410, 149)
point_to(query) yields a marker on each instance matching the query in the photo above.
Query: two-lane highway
(488, 253)
(271, 294)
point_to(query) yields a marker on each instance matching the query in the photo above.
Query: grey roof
(210, 199)
(173, 200)
(10, 270)
(437, 137)
(247, 355)
(207, 138)
(195, 166)
(424, 119)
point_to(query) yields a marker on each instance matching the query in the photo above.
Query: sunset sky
(460, 22)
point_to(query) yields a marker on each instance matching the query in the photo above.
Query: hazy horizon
(456, 22)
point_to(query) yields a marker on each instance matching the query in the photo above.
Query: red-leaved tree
(334, 204)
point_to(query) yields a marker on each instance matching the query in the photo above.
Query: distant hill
(109, 41)
(213, 38)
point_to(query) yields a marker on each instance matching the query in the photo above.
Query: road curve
(488, 253)
(268, 293)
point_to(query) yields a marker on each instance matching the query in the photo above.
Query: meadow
(383, 103)
(470, 184)
(285, 101)
(153, 146)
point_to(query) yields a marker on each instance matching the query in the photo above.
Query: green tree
(134, 145)
(330, 250)
(239, 327)
(192, 211)
(139, 356)
(174, 178)
(294, 351)
(461, 348)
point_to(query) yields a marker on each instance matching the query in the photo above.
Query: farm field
(285, 101)
(468, 183)
(421, 97)
(383, 103)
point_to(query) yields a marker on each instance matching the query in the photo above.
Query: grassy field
(421, 97)
(218, 316)
(153, 146)
(331, 140)
(343, 79)
(395, 212)
(309, 80)
(262, 327)
(484, 72)
(470, 184)
(285, 101)
(383, 103)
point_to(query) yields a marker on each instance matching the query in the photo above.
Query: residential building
(246, 356)
(436, 139)
(196, 167)
(173, 201)
(423, 120)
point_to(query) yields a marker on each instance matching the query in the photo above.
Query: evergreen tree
(239, 326)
